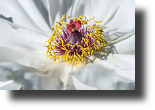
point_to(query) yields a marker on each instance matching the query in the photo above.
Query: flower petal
(78, 7)
(33, 13)
(74, 84)
(43, 5)
(126, 46)
(53, 8)
(11, 8)
(118, 16)
(55, 78)
(124, 17)
(49, 82)
(5, 75)
(101, 9)
(5, 83)
(103, 78)
(23, 39)
(123, 65)
(39, 17)
(57, 8)
(10, 85)
(11, 55)
(32, 79)
(23, 48)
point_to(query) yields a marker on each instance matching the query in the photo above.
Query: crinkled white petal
(45, 4)
(112, 12)
(118, 16)
(11, 8)
(5, 75)
(53, 9)
(103, 78)
(123, 65)
(126, 46)
(25, 47)
(49, 82)
(55, 78)
(30, 14)
(101, 9)
(37, 14)
(11, 55)
(32, 79)
(57, 8)
(78, 8)
(70, 82)
(124, 19)
(23, 39)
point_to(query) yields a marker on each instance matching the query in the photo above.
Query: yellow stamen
(98, 21)
(87, 50)
(68, 17)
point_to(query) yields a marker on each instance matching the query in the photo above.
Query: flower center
(72, 43)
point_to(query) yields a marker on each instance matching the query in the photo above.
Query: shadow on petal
(105, 53)
(113, 38)
(42, 10)
(8, 19)
(112, 34)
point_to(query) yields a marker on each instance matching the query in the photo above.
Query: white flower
(22, 52)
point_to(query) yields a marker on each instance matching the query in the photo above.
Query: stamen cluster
(73, 43)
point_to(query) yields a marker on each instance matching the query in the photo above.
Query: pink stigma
(73, 26)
